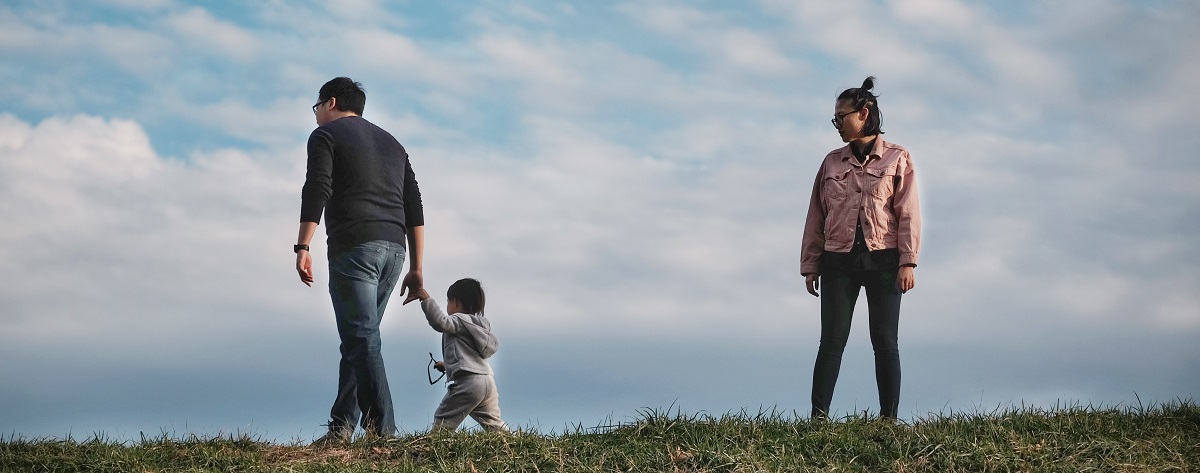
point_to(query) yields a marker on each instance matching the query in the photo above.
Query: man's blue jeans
(361, 280)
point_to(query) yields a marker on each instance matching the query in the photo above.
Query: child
(467, 342)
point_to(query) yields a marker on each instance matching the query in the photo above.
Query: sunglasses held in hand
(434, 364)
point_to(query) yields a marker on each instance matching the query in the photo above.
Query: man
(359, 175)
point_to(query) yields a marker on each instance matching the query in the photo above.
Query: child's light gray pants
(474, 395)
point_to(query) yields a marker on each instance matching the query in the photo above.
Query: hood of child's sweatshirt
(480, 336)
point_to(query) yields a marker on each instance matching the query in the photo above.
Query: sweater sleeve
(438, 319)
(318, 185)
(414, 210)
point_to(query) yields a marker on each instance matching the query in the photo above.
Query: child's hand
(437, 365)
(417, 294)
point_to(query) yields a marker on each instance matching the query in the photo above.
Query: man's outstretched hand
(413, 284)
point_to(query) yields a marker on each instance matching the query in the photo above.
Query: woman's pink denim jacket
(881, 193)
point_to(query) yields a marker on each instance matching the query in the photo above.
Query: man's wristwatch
(297, 248)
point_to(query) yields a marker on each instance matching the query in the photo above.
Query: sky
(629, 180)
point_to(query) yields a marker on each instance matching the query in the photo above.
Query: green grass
(1163, 438)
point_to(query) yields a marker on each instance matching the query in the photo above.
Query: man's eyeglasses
(837, 118)
(318, 104)
(429, 369)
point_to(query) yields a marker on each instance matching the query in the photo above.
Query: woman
(863, 231)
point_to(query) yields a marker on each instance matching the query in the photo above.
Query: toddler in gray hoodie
(467, 343)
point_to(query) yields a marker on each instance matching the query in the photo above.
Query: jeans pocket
(362, 262)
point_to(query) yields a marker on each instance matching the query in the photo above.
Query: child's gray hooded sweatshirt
(467, 340)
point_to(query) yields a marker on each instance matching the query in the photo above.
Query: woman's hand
(905, 280)
(813, 282)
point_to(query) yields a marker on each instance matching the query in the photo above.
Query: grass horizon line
(607, 424)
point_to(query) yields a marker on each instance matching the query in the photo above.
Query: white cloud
(529, 13)
(944, 48)
(142, 244)
(732, 48)
(541, 63)
(869, 42)
(141, 4)
(358, 13)
(209, 34)
(61, 44)
(132, 49)
(935, 16)
(13, 132)
(1177, 311)
(276, 124)
(17, 36)
(754, 52)
(395, 59)
(670, 19)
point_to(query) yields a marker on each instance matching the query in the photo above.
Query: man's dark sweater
(359, 175)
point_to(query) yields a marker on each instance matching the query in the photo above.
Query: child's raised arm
(438, 319)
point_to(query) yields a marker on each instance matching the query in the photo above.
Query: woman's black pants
(838, 295)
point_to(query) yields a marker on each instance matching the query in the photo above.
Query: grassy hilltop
(1163, 438)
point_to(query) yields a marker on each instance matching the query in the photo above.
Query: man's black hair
(860, 97)
(350, 95)
(469, 294)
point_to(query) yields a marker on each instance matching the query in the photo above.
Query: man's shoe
(334, 437)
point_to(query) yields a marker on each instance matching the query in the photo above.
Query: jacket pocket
(881, 181)
(835, 186)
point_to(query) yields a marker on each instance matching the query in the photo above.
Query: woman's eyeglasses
(837, 118)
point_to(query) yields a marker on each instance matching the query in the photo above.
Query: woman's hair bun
(868, 83)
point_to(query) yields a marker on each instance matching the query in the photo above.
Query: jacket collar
(846, 153)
